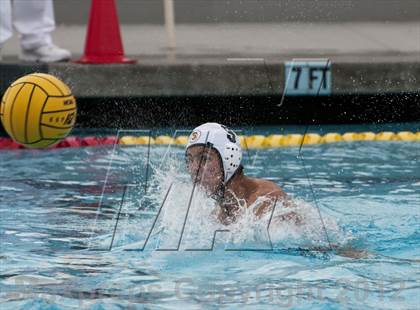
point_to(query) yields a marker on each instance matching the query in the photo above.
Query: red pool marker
(6, 143)
(108, 140)
(90, 141)
(69, 142)
(9, 144)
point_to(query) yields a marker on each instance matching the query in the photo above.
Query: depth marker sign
(308, 77)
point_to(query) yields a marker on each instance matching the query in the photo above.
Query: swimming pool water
(55, 241)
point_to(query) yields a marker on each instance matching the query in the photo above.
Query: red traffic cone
(103, 38)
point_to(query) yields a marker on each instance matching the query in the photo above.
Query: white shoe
(46, 53)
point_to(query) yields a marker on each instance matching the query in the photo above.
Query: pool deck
(238, 59)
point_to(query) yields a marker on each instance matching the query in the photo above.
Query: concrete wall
(215, 11)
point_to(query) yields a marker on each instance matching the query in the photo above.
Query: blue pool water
(56, 253)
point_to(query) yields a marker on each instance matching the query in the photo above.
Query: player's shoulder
(266, 187)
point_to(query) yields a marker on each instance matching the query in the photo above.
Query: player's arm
(276, 195)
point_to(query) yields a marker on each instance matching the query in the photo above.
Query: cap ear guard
(231, 159)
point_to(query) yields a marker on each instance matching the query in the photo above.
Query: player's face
(205, 168)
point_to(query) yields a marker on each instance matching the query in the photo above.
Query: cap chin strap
(219, 195)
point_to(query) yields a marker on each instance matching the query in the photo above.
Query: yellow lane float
(279, 140)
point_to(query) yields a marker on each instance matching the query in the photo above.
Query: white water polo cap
(224, 140)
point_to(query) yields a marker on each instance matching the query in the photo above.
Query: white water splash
(188, 220)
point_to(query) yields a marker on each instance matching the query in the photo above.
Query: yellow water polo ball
(38, 110)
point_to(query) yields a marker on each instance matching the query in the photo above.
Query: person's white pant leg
(6, 29)
(34, 20)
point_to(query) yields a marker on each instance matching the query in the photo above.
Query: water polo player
(213, 156)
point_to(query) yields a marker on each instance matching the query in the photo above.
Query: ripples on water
(55, 244)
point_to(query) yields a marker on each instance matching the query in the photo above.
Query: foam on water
(188, 220)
